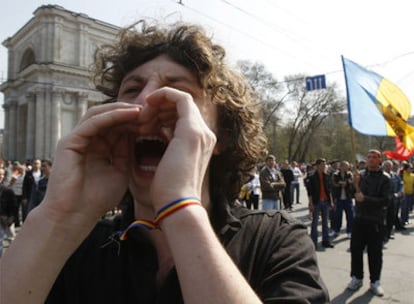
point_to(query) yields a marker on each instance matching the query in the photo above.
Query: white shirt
(36, 176)
(296, 174)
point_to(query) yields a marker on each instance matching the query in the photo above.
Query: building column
(47, 116)
(83, 45)
(21, 121)
(6, 135)
(82, 105)
(58, 36)
(40, 124)
(13, 130)
(30, 132)
(56, 129)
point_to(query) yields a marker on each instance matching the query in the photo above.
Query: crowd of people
(276, 187)
(375, 196)
(22, 188)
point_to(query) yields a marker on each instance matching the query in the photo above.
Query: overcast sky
(288, 37)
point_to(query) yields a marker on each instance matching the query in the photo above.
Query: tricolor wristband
(163, 213)
(146, 224)
(174, 206)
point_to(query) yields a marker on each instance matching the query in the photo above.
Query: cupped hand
(183, 167)
(89, 174)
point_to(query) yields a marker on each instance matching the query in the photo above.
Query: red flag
(400, 153)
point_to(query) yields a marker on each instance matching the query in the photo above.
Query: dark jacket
(7, 206)
(28, 183)
(376, 186)
(287, 176)
(272, 250)
(337, 188)
(38, 193)
(313, 187)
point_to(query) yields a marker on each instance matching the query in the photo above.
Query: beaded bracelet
(164, 212)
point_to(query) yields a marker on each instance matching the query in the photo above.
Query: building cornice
(44, 11)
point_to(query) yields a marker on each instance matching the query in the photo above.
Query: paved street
(397, 273)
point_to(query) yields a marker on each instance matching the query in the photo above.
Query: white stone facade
(48, 85)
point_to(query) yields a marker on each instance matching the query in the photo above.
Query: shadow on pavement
(346, 294)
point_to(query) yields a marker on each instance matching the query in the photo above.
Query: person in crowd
(394, 205)
(362, 165)
(30, 182)
(253, 188)
(396, 169)
(244, 195)
(39, 189)
(332, 169)
(343, 192)
(295, 185)
(373, 192)
(16, 184)
(320, 201)
(310, 170)
(272, 184)
(408, 199)
(8, 173)
(7, 204)
(288, 177)
(181, 138)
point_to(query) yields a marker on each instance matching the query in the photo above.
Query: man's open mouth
(149, 151)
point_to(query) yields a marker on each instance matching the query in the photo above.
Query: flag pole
(353, 145)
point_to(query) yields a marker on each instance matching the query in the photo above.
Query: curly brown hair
(240, 133)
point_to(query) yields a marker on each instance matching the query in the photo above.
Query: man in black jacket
(343, 192)
(288, 176)
(7, 204)
(373, 193)
(30, 182)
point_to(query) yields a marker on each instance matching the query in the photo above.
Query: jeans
(294, 187)
(322, 207)
(343, 205)
(269, 204)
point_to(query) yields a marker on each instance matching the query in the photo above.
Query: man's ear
(217, 150)
(223, 140)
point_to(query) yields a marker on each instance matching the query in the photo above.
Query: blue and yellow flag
(376, 106)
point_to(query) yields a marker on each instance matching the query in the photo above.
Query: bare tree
(308, 110)
(270, 92)
(267, 88)
(292, 116)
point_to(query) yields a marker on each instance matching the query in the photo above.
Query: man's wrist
(68, 227)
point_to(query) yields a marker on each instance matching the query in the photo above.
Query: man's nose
(141, 98)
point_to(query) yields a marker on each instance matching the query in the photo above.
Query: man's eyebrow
(166, 79)
(135, 78)
(180, 78)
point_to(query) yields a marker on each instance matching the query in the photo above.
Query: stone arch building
(48, 86)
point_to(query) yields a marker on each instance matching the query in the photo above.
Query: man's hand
(359, 197)
(90, 171)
